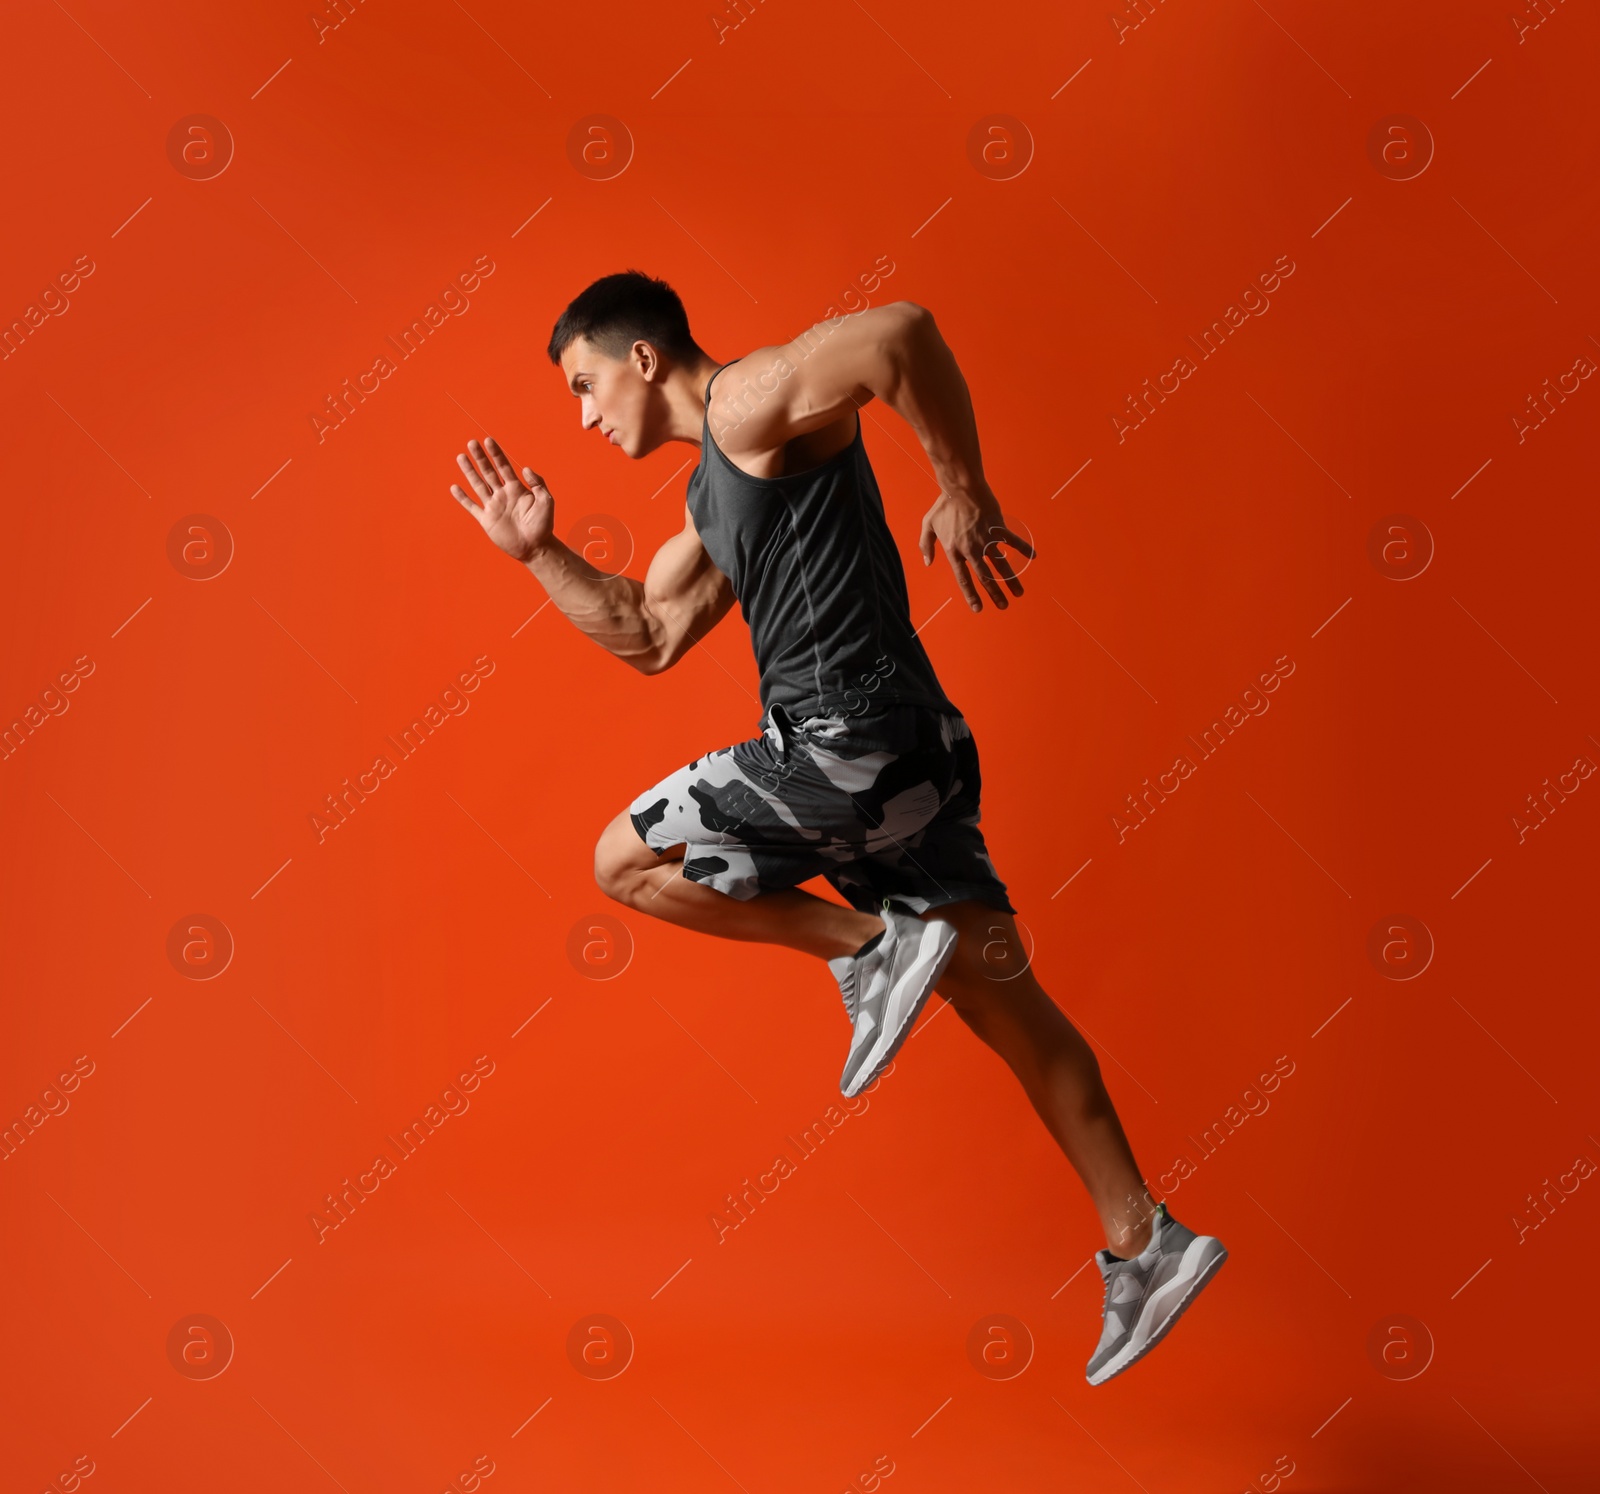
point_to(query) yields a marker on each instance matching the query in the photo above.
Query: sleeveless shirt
(819, 580)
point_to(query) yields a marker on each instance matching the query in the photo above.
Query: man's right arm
(649, 624)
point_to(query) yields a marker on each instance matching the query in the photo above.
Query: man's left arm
(895, 353)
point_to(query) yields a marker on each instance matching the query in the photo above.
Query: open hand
(518, 514)
(970, 526)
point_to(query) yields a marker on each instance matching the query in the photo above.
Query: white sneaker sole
(906, 1001)
(1198, 1266)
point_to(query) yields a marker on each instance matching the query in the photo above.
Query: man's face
(615, 394)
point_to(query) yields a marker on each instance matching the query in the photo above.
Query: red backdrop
(222, 601)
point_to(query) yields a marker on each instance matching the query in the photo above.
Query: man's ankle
(1135, 1241)
(1129, 1231)
(855, 940)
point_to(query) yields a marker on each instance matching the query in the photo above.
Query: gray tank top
(819, 581)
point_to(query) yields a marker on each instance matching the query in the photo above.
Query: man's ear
(648, 362)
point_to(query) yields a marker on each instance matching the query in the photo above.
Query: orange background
(1168, 169)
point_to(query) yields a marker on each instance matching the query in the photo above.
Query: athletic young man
(864, 772)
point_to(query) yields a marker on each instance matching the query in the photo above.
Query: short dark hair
(619, 310)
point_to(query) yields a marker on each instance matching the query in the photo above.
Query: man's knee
(609, 876)
(980, 1002)
(990, 950)
(617, 862)
(1005, 1008)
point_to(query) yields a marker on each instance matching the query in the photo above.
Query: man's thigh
(774, 811)
(937, 857)
(620, 851)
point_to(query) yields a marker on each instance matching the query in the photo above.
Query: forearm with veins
(609, 609)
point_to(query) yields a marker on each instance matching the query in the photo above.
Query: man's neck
(686, 399)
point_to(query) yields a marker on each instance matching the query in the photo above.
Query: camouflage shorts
(884, 806)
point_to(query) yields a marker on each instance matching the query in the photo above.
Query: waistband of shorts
(894, 726)
(891, 710)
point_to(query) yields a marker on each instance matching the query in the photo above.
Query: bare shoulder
(749, 397)
(778, 393)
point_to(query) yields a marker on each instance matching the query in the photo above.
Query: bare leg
(629, 871)
(1005, 1007)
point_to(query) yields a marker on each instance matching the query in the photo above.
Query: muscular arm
(895, 353)
(649, 624)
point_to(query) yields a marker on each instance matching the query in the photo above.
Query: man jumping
(863, 771)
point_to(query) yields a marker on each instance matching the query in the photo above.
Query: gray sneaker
(885, 989)
(1146, 1295)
